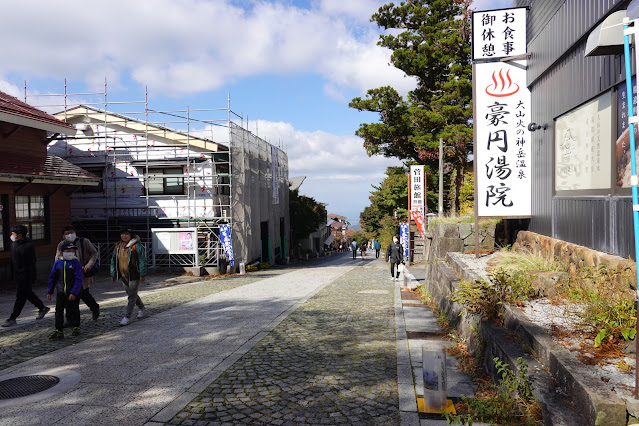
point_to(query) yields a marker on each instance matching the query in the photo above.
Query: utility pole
(441, 178)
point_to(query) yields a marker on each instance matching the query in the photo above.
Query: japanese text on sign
(227, 245)
(417, 189)
(499, 33)
(503, 140)
(403, 237)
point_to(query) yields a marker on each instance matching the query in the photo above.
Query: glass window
(30, 212)
(160, 183)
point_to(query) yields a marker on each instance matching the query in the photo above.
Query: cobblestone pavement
(30, 338)
(332, 361)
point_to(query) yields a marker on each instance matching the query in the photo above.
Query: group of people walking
(71, 276)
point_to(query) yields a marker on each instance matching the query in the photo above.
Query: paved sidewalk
(329, 343)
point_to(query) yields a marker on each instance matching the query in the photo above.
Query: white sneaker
(392, 278)
(141, 313)
(125, 321)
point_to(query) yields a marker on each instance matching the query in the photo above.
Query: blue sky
(290, 66)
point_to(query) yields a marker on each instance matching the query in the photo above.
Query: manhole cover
(26, 385)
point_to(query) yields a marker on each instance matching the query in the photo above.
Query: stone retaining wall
(573, 254)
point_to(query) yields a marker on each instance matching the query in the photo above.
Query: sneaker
(42, 312)
(57, 335)
(392, 278)
(67, 324)
(125, 321)
(141, 313)
(96, 313)
(9, 323)
(76, 331)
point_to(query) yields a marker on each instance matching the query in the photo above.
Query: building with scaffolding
(192, 171)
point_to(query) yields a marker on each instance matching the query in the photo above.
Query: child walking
(66, 276)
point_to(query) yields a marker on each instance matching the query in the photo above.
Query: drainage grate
(26, 385)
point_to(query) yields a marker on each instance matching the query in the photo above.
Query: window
(161, 183)
(30, 212)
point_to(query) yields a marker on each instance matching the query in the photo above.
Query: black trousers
(354, 253)
(377, 253)
(23, 294)
(392, 265)
(62, 302)
(88, 300)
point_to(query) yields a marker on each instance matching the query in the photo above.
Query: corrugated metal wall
(560, 79)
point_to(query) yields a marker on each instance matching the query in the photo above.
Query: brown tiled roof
(336, 216)
(51, 168)
(14, 106)
(337, 225)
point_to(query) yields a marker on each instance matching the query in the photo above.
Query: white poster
(502, 139)
(583, 147)
(417, 189)
(499, 33)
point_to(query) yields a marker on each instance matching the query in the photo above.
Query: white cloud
(337, 168)
(191, 46)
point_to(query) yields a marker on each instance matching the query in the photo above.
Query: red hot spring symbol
(505, 86)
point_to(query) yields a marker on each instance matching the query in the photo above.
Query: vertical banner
(417, 189)
(502, 139)
(419, 221)
(227, 245)
(499, 33)
(275, 174)
(186, 241)
(403, 237)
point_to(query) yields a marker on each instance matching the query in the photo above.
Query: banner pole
(475, 165)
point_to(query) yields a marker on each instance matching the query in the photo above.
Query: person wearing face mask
(128, 264)
(87, 255)
(23, 265)
(394, 253)
(66, 276)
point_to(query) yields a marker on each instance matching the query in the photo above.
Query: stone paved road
(30, 338)
(332, 361)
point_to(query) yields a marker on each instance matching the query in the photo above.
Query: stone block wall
(572, 254)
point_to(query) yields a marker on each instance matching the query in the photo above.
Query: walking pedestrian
(378, 247)
(87, 256)
(354, 248)
(363, 249)
(128, 264)
(66, 277)
(394, 253)
(23, 263)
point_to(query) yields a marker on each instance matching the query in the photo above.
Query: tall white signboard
(417, 189)
(503, 145)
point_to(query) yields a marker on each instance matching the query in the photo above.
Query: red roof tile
(14, 106)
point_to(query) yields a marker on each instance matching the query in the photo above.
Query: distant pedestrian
(88, 256)
(23, 263)
(128, 264)
(354, 248)
(378, 247)
(363, 249)
(66, 277)
(394, 253)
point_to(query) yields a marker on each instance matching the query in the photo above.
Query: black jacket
(394, 252)
(23, 262)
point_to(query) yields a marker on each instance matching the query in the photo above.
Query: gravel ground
(552, 316)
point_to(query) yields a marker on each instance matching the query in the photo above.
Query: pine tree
(434, 47)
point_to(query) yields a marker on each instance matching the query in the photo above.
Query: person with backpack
(395, 253)
(87, 255)
(128, 264)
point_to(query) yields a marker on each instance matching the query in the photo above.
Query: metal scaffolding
(159, 169)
